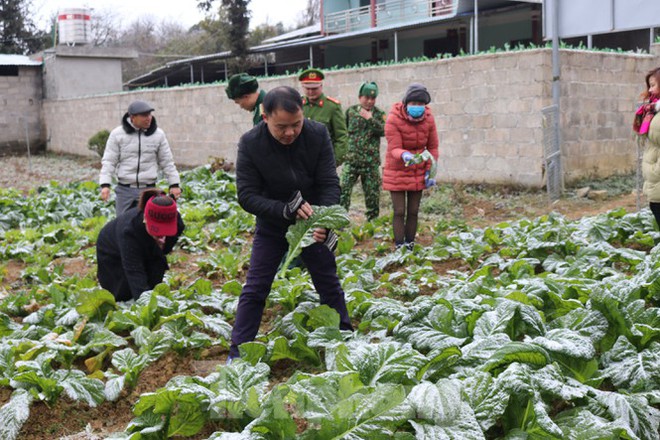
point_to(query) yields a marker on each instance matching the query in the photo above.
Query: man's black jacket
(268, 172)
(129, 260)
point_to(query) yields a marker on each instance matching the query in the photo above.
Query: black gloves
(292, 206)
(331, 240)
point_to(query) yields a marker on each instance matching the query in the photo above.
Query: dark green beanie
(369, 89)
(241, 84)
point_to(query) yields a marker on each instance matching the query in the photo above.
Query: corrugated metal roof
(305, 41)
(17, 60)
(210, 57)
(313, 29)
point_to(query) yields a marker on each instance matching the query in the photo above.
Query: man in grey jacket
(134, 153)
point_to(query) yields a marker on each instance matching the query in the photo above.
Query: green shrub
(97, 142)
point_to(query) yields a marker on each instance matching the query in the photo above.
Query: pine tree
(18, 34)
(238, 16)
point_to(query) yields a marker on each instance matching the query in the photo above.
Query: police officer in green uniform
(243, 89)
(324, 109)
(366, 125)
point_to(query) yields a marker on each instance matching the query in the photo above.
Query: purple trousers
(268, 248)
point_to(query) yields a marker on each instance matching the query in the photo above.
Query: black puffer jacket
(129, 260)
(268, 172)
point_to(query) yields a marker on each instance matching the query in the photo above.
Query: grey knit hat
(416, 92)
(138, 107)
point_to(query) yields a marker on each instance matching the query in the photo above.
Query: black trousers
(655, 209)
(405, 209)
(268, 248)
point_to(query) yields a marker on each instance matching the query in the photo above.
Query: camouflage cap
(241, 84)
(369, 89)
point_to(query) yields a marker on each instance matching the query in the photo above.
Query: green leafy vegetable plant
(300, 234)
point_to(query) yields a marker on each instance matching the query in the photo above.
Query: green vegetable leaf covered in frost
(300, 233)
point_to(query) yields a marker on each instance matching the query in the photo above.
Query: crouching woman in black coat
(131, 249)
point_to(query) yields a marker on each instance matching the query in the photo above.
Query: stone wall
(20, 111)
(599, 93)
(487, 108)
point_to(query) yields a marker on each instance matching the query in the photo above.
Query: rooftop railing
(386, 13)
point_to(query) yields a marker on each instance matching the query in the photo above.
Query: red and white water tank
(74, 26)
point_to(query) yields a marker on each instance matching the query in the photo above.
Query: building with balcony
(380, 30)
(370, 31)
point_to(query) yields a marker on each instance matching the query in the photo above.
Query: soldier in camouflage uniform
(243, 89)
(324, 109)
(366, 125)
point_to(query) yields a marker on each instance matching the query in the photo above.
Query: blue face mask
(415, 111)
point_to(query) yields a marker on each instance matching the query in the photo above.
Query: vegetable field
(534, 329)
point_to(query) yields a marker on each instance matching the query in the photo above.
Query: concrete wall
(487, 111)
(487, 108)
(20, 110)
(74, 71)
(598, 98)
(69, 77)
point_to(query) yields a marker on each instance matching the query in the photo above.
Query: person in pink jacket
(410, 131)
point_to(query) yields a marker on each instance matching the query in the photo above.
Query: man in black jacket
(283, 168)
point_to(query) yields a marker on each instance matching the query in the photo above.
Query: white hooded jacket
(135, 156)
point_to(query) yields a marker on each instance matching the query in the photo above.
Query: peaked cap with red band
(311, 78)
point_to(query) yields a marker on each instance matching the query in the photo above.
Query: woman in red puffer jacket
(410, 129)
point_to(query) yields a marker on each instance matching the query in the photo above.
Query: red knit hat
(161, 220)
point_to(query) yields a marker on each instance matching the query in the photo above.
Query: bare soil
(485, 212)
(24, 173)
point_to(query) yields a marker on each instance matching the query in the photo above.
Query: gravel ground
(24, 173)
